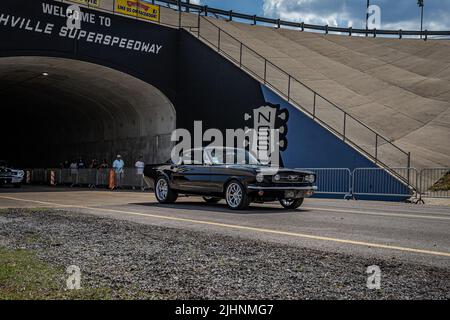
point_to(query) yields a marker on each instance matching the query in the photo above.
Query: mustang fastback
(231, 174)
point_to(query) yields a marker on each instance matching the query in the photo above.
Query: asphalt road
(375, 230)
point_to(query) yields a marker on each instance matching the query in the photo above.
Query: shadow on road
(219, 207)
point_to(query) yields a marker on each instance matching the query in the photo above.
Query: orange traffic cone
(112, 178)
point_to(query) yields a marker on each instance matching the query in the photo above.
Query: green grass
(442, 184)
(24, 277)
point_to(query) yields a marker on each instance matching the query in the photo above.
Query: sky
(395, 14)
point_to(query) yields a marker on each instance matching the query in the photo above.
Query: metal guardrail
(254, 19)
(333, 181)
(379, 182)
(434, 183)
(92, 178)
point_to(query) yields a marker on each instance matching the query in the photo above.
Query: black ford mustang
(240, 179)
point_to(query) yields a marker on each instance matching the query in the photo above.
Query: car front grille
(289, 178)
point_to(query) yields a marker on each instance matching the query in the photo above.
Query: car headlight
(276, 177)
(260, 177)
(310, 178)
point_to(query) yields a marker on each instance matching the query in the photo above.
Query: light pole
(421, 5)
(367, 17)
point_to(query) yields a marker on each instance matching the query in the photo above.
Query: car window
(220, 156)
(189, 158)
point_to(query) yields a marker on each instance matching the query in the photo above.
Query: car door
(191, 175)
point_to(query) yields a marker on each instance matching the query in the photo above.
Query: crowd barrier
(92, 178)
(361, 182)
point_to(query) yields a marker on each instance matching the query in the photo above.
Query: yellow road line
(247, 228)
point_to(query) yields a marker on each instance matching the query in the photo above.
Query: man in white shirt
(118, 166)
(139, 166)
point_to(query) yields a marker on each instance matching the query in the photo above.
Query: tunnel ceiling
(77, 102)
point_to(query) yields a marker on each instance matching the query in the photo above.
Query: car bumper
(10, 180)
(281, 191)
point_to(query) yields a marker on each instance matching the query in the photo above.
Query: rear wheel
(211, 199)
(163, 192)
(236, 197)
(291, 203)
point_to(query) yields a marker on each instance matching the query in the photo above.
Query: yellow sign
(138, 8)
(91, 3)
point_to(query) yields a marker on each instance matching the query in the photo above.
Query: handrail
(316, 94)
(303, 26)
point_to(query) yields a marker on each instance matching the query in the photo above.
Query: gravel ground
(167, 263)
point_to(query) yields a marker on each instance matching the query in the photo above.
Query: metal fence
(333, 181)
(92, 178)
(434, 183)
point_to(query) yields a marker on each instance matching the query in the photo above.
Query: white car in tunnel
(10, 176)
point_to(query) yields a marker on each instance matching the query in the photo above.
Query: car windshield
(219, 156)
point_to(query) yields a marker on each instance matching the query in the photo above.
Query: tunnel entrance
(56, 109)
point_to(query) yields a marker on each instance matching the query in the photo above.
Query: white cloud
(399, 14)
(300, 11)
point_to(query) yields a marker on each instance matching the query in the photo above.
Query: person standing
(139, 165)
(118, 166)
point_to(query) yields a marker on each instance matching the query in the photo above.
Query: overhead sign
(91, 3)
(138, 8)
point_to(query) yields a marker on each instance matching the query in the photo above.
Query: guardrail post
(218, 41)
(231, 15)
(265, 71)
(400, 34)
(240, 56)
(375, 32)
(426, 35)
(345, 124)
(302, 25)
(198, 22)
(289, 87)
(314, 106)
(278, 24)
(179, 13)
(350, 30)
(254, 20)
(376, 148)
(326, 29)
(205, 8)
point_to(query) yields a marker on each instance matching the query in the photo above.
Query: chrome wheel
(287, 202)
(162, 189)
(291, 203)
(234, 195)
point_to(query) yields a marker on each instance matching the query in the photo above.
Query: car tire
(291, 203)
(236, 196)
(163, 193)
(211, 199)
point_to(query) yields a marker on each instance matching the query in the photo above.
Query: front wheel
(291, 203)
(163, 192)
(236, 197)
